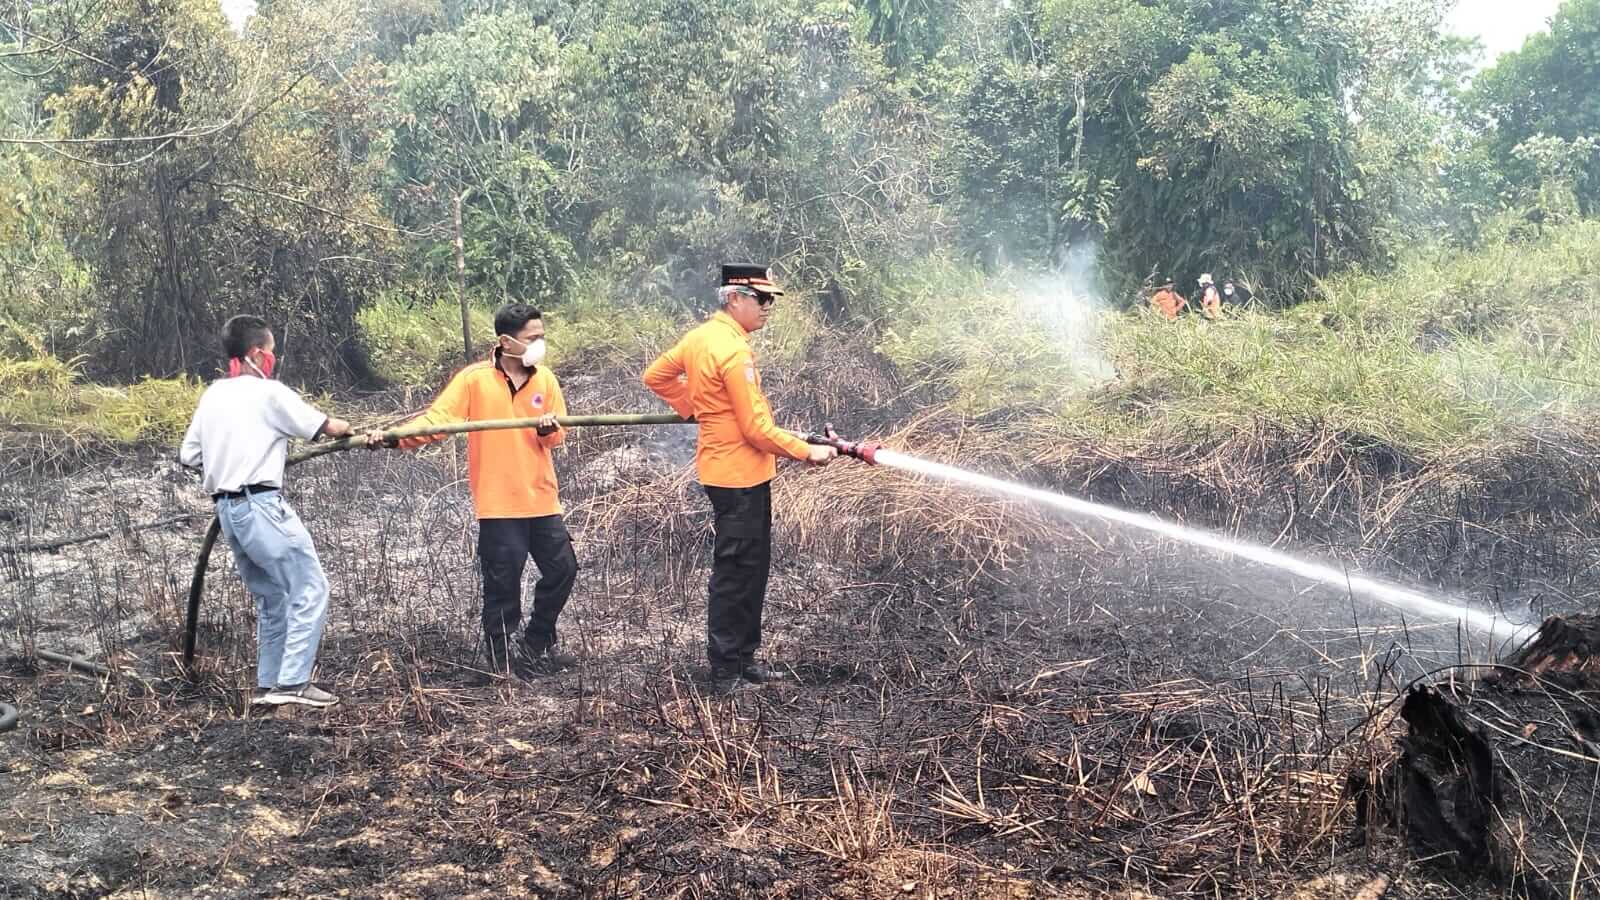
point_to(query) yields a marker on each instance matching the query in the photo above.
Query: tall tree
(1181, 137)
(1546, 89)
(214, 181)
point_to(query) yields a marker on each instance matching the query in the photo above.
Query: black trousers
(741, 558)
(504, 546)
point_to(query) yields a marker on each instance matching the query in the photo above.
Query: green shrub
(414, 335)
(594, 332)
(795, 323)
(417, 341)
(42, 393)
(992, 344)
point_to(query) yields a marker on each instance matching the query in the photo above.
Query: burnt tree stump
(1529, 723)
(1445, 782)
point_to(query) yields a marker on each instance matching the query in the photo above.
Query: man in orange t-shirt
(513, 488)
(711, 375)
(1168, 301)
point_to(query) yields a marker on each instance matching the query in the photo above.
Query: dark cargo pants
(741, 558)
(504, 546)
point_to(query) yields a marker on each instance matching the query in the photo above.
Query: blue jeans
(279, 566)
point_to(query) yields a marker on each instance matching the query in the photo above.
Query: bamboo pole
(351, 443)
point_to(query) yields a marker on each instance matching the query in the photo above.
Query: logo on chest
(536, 401)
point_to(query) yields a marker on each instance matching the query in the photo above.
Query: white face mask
(532, 354)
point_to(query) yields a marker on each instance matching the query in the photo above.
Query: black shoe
(724, 678)
(543, 656)
(505, 658)
(756, 673)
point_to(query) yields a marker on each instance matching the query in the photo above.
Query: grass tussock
(40, 392)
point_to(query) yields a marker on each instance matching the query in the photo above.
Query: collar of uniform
(723, 317)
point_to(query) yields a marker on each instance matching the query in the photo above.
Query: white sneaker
(258, 697)
(306, 694)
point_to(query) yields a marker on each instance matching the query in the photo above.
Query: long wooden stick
(351, 443)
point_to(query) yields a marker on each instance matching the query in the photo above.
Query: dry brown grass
(990, 702)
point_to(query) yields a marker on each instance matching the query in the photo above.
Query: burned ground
(987, 702)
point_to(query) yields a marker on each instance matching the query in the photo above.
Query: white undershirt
(241, 429)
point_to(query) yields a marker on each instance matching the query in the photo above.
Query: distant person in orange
(514, 491)
(1210, 300)
(711, 375)
(1167, 301)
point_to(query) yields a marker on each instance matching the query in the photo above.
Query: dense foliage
(337, 165)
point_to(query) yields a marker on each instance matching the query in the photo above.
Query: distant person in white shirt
(240, 439)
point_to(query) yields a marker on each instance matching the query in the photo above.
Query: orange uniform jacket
(1168, 303)
(719, 386)
(510, 470)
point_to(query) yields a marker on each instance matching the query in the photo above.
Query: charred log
(1564, 650)
(1446, 792)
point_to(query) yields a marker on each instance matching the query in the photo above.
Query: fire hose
(8, 713)
(203, 560)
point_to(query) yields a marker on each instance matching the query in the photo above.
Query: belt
(246, 491)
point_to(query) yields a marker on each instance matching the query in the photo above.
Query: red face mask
(236, 365)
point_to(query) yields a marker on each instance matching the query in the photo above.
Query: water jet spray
(1445, 609)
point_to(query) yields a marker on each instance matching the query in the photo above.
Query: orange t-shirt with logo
(510, 470)
(711, 375)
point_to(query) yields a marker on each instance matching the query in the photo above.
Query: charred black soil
(984, 701)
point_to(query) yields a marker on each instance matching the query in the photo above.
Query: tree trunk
(1563, 647)
(461, 281)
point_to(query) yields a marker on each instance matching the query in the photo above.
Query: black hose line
(197, 585)
(75, 662)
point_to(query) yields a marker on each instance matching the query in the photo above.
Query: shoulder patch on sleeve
(750, 373)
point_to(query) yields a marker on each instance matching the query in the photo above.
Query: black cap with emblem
(758, 278)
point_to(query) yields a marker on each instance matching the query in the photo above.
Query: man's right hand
(820, 454)
(375, 439)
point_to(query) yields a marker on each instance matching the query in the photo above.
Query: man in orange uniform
(711, 375)
(1167, 301)
(1210, 302)
(513, 488)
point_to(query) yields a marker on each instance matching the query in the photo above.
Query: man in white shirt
(240, 439)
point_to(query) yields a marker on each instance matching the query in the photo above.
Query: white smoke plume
(1071, 304)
